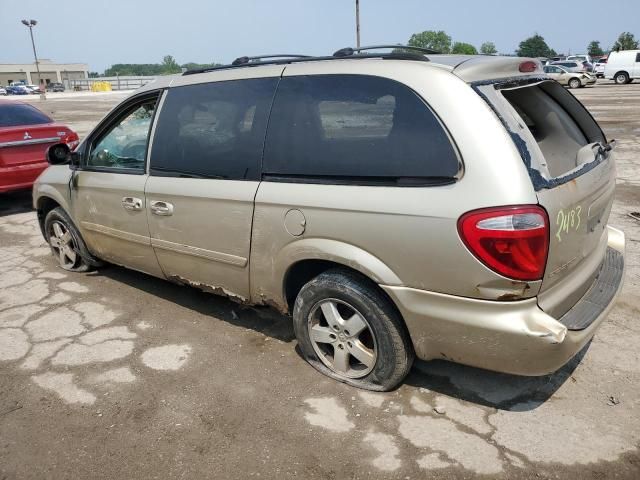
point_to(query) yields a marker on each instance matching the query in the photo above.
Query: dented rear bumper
(513, 337)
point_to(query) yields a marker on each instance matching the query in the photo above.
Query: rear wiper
(604, 148)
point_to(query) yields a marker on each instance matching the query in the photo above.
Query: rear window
(559, 123)
(21, 114)
(355, 127)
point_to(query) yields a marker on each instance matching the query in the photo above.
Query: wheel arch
(44, 205)
(301, 261)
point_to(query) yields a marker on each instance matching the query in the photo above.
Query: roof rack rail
(348, 51)
(245, 60)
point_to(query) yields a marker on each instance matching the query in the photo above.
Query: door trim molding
(199, 252)
(112, 232)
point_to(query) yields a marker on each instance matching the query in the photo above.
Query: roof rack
(399, 53)
(245, 60)
(348, 51)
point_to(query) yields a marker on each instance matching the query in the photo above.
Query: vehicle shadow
(264, 320)
(491, 389)
(15, 202)
(475, 385)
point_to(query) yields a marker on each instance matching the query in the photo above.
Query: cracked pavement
(115, 374)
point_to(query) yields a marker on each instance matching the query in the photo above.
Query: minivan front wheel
(65, 241)
(349, 331)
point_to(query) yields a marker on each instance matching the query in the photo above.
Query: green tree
(534, 47)
(94, 74)
(488, 48)
(594, 49)
(438, 41)
(464, 48)
(170, 65)
(626, 41)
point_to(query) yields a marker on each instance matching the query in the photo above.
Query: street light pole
(357, 23)
(32, 23)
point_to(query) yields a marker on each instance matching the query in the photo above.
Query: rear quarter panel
(399, 235)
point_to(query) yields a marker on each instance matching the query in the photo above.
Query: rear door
(575, 183)
(205, 171)
(107, 192)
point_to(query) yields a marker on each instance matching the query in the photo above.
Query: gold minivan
(395, 204)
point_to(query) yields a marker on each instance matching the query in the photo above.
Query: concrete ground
(114, 374)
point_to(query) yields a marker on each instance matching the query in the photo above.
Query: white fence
(117, 83)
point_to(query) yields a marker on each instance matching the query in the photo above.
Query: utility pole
(357, 23)
(32, 23)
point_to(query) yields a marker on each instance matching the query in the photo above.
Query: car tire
(621, 78)
(575, 83)
(66, 243)
(376, 354)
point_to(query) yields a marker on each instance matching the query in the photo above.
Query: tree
(170, 65)
(438, 41)
(626, 41)
(534, 47)
(464, 48)
(488, 48)
(594, 49)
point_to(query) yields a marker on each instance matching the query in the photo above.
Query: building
(49, 72)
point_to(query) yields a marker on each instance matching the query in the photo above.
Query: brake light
(512, 241)
(72, 140)
(528, 66)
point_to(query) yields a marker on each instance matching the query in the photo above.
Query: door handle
(159, 207)
(132, 203)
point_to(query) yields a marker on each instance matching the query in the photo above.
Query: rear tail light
(512, 241)
(72, 140)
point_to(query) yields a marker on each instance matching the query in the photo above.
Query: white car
(33, 89)
(598, 67)
(3, 91)
(623, 67)
(581, 58)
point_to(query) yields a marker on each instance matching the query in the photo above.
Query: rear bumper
(20, 176)
(512, 337)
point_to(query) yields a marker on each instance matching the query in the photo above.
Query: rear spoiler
(482, 67)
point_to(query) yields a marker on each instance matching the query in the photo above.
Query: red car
(25, 135)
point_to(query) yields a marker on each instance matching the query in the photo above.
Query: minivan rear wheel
(65, 241)
(622, 78)
(347, 329)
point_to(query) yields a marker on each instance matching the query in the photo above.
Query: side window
(637, 57)
(123, 146)
(213, 130)
(358, 127)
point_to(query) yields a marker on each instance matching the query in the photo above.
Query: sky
(104, 32)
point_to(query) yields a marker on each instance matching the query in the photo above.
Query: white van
(623, 66)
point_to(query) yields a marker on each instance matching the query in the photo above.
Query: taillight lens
(513, 241)
(72, 140)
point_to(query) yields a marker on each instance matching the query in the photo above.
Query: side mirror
(74, 160)
(57, 154)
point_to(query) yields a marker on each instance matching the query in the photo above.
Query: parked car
(34, 89)
(363, 197)
(571, 65)
(571, 79)
(17, 90)
(598, 67)
(25, 135)
(580, 58)
(3, 91)
(623, 66)
(55, 87)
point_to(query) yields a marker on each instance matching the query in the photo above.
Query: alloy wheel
(342, 338)
(63, 245)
